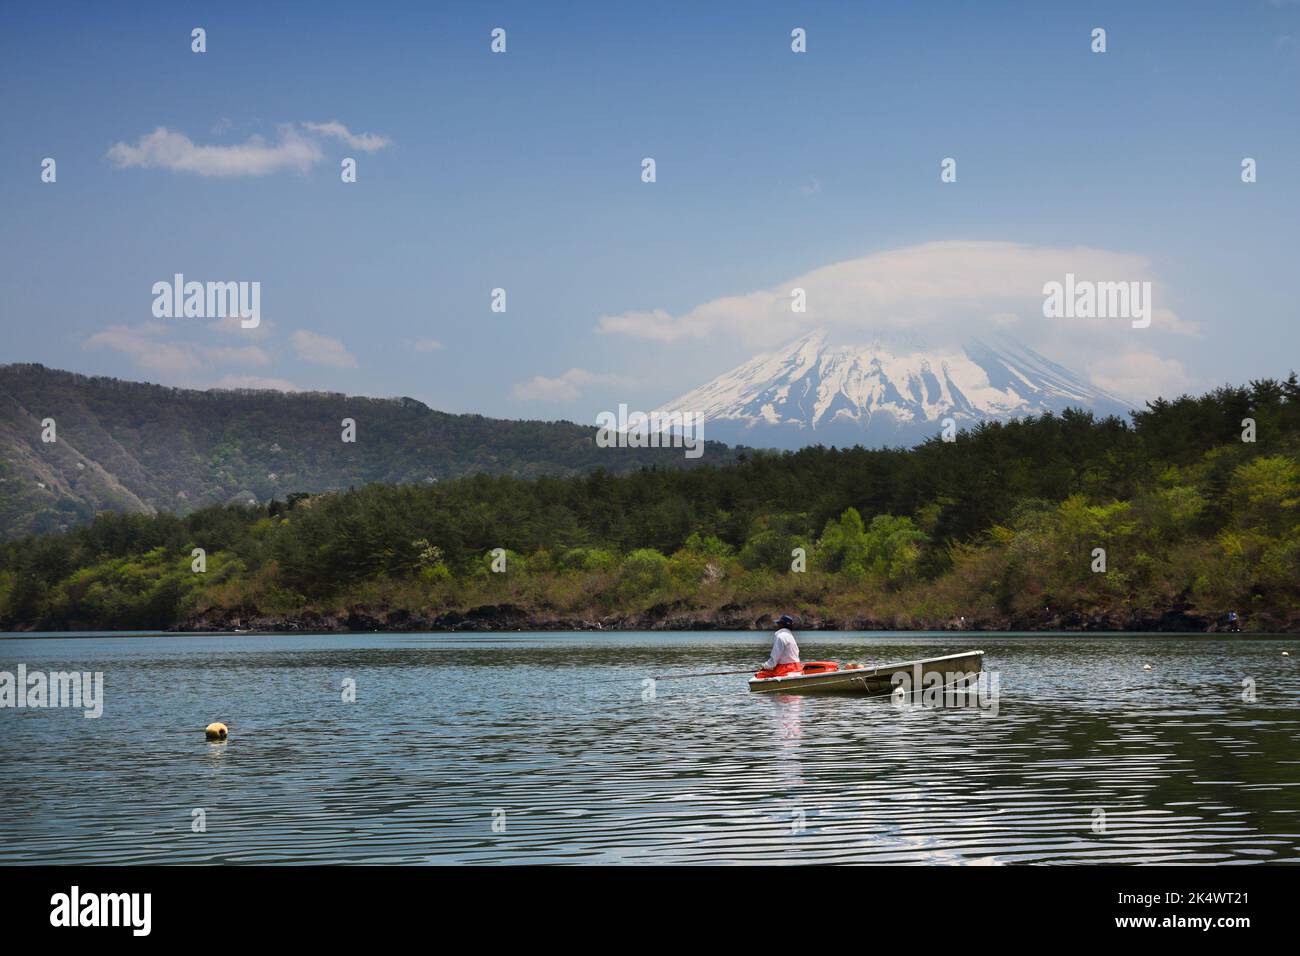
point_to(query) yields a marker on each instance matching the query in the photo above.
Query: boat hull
(876, 681)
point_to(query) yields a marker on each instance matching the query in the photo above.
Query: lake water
(511, 748)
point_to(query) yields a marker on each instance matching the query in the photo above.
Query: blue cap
(785, 620)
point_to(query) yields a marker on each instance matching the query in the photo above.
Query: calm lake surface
(547, 737)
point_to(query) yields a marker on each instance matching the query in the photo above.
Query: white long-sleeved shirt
(784, 650)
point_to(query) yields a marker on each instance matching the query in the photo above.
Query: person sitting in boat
(785, 652)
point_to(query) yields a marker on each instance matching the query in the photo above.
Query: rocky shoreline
(509, 617)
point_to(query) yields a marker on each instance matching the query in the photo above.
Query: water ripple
(542, 748)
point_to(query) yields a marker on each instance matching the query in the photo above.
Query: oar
(634, 677)
(624, 680)
(703, 674)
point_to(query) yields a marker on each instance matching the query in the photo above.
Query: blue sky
(523, 171)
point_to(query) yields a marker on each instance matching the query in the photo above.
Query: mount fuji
(811, 393)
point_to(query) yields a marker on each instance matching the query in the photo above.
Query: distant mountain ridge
(131, 446)
(811, 393)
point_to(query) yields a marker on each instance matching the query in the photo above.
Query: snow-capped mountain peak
(812, 393)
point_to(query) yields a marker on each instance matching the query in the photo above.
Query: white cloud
(167, 149)
(565, 388)
(1138, 373)
(148, 346)
(145, 346)
(940, 294)
(322, 350)
(656, 324)
(366, 142)
(428, 345)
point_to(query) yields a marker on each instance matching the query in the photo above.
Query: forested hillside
(999, 527)
(133, 447)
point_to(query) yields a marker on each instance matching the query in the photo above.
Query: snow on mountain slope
(811, 393)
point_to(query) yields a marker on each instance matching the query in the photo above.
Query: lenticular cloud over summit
(939, 296)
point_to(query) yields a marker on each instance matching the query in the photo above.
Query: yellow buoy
(216, 731)
(1146, 667)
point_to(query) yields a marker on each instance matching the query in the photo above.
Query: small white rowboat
(955, 669)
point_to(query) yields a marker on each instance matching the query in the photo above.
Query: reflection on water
(552, 733)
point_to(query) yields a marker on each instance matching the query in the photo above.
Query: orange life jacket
(794, 667)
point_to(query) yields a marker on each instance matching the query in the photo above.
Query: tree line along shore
(1169, 521)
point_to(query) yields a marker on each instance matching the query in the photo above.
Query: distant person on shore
(785, 652)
